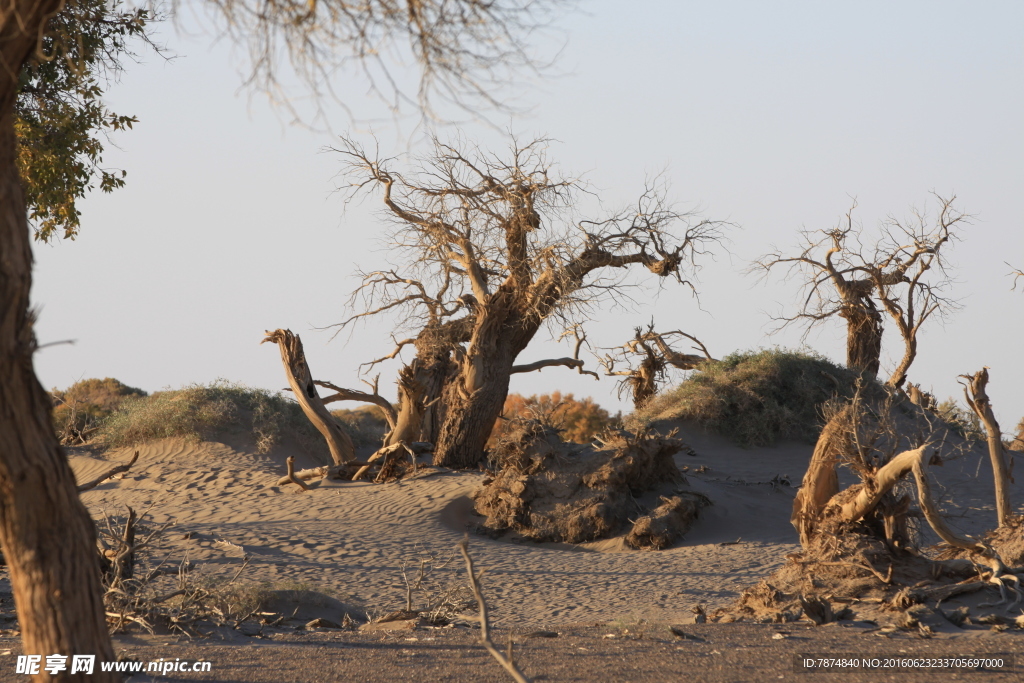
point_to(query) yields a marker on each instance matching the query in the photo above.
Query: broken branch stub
(304, 388)
(977, 399)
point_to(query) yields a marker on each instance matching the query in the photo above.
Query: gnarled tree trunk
(863, 337)
(48, 538)
(475, 397)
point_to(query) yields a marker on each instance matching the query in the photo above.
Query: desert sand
(351, 538)
(349, 541)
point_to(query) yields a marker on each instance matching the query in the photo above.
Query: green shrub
(199, 412)
(754, 397)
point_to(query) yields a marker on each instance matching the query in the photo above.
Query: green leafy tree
(61, 121)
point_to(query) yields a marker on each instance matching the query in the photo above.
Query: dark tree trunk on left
(48, 538)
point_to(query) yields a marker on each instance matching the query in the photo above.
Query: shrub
(578, 420)
(78, 409)
(199, 412)
(366, 425)
(754, 397)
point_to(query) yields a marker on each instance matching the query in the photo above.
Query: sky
(771, 116)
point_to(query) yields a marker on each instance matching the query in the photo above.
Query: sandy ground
(350, 540)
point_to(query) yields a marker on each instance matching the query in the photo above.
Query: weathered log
(304, 389)
(303, 475)
(323, 472)
(887, 476)
(108, 474)
(381, 454)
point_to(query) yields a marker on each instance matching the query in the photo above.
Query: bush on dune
(78, 409)
(755, 398)
(198, 412)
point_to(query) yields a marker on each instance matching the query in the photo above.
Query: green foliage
(366, 425)
(754, 397)
(61, 121)
(199, 412)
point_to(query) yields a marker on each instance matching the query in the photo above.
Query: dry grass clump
(366, 425)
(754, 397)
(79, 409)
(547, 490)
(961, 420)
(199, 412)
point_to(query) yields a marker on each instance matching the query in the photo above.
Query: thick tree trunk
(863, 338)
(48, 538)
(476, 396)
(301, 381)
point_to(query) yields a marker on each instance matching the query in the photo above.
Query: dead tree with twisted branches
(648, 358)
(903, 275)
(492, 256)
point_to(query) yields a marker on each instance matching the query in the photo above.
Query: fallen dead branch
(108, 474)
(506, 661)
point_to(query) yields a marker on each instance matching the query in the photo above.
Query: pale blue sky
(768, 114)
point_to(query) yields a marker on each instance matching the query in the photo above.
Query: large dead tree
(648, 356)
(902, 274)
(491, 257)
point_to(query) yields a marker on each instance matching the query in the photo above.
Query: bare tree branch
(341, 394)
(463, 50)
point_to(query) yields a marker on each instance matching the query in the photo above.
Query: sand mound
(548, 490)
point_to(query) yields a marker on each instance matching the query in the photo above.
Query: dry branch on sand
(548, 490)
(108, 474)
(856, 543)
(507, 661)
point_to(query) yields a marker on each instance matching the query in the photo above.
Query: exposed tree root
(548, 490)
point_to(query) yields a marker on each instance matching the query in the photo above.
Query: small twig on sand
(485, 634)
